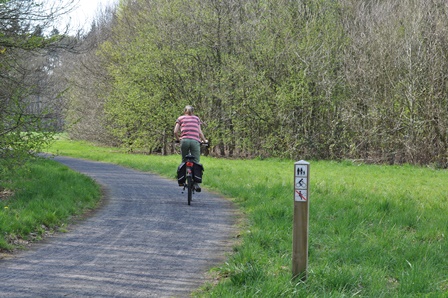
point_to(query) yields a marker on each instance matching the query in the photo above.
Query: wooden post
(301, 219)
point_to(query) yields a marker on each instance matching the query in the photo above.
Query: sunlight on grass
(46, 195)
(375, 231)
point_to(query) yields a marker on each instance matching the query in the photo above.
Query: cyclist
(189, 127)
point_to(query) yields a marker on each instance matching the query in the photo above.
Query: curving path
(144, 242)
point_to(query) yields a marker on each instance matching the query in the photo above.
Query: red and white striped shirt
(189, 127)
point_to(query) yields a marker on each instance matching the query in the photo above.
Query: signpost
(301, 211)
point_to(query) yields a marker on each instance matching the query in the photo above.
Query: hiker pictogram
(301, 170)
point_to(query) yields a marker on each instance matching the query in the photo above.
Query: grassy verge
(375, 231)
(40, 198)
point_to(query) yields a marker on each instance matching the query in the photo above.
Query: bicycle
(189, 182)
(191, 175)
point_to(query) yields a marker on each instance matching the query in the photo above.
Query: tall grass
(44, 195)
(375, 231)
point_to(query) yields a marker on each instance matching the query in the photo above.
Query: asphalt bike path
(145, 241)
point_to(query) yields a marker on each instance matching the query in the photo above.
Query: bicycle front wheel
(190, 189)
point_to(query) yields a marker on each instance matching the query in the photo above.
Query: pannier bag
(181, 173)
(197, 172)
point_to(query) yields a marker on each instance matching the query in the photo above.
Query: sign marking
(300, 196)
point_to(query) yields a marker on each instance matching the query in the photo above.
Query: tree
(86, 74)
(27, 108)
(300, 79)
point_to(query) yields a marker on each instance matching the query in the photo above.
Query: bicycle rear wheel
(190, 188)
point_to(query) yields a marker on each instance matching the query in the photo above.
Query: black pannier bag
(197, 172)
(181, 173)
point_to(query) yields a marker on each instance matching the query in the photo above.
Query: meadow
(40, 198)
(375, 230)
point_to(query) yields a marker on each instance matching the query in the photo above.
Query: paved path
(145, 242)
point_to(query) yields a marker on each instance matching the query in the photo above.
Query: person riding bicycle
(189, 127)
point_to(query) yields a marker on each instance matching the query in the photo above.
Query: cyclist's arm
(176, 131)
(201, 135)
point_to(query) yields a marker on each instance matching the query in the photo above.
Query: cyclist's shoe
(181, 184)
(197, 187)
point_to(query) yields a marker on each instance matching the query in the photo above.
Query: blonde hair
(188, 110)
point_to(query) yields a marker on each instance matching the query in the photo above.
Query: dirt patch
(5, 194)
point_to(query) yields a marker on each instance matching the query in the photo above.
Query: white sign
(301, 183)
(300, 195)
(301, 171)
(301, 179)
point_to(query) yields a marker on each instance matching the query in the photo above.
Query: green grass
(45, 196)
(375, 231)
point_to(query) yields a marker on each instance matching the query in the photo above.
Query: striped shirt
(189, 127)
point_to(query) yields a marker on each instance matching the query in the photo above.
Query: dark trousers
(190, 146)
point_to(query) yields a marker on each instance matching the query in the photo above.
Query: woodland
(31, 106)
(362, 80)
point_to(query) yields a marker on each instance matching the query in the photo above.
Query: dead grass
(5, 194)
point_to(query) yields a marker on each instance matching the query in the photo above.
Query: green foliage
(223, 59)
(316, 79)
(144, 103)
(26, 117)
